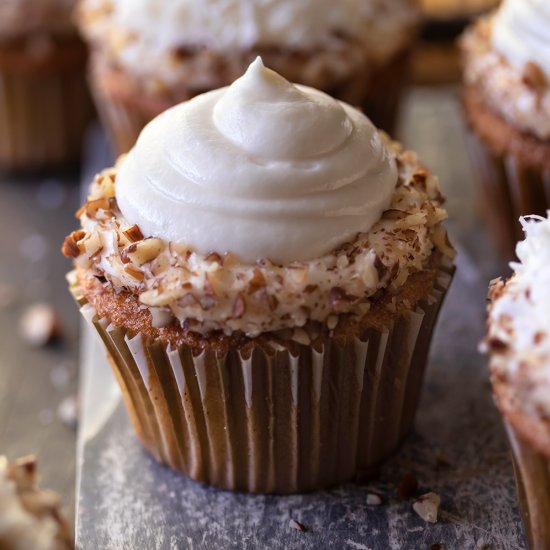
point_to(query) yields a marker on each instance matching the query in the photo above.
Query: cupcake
(30, 518)
(507, 106)
(146, 58)
(518, 344)
(45, 105)
(265, 270)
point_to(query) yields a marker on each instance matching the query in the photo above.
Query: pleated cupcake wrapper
(275, 423)
(43, 117)
(532, 471)
(378, 94)
(510, 189)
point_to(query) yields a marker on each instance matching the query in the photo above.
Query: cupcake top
(258, 207)
(30, 518)
(519, 324)
(152, 37)
(262, 169)
(19, 18)
(507, 56)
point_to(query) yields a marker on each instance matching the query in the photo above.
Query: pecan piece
(70, 247)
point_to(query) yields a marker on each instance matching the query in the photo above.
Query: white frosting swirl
(521, 33)
(262, 169)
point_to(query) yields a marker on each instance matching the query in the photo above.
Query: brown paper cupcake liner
(509, 188)
(378, 93)
(277, 423)
(43, 115)
(532, 470)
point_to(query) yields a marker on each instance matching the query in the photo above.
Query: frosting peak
(520, 33)
(266, 115)
(262, 169)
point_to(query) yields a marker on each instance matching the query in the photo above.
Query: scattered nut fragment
(133, 233)
(40, 325)
(427, 507)
(98, 204)
(534, 76)
(39, 510)
(145, 251)
(373, 499)
(406, 487)
(294, 524)
(70, 248)
(239, 306)
(67, 411)
(437, 546)
(8, 296)
(134, 272)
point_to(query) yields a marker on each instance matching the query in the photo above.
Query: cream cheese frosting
(261, 169)
(519, 323)
(521, 33)
(500, 53)
(146, 36)
(20, 17)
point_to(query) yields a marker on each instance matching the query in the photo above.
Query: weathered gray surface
(35, 215)
(126, 500)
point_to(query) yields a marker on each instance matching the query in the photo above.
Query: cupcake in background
(148, 56)
(437, 55)
(518, 345)
(265, 270)
(44, 101)
(507, 106)
(30, 518)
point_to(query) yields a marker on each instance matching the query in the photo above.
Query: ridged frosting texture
(261, 169)
(521, 32)
(520, 321)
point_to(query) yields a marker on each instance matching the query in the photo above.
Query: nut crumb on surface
(373, 499)
(427, 507)
(295, 524)
(40, 325)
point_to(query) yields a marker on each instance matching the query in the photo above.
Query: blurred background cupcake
(44, 102)
(507, 106)
(437, 58)
(261, 344)
(148, 56)
(518, 344)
